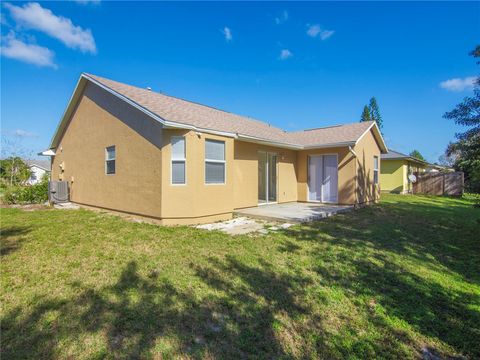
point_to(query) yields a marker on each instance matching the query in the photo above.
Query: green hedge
(33, 194)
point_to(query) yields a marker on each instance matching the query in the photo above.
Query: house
(396, 168)
(433, 168)
(133, 150)
(39, 169)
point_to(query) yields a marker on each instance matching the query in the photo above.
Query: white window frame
(376, 171)
(184, 160)
(107, 159)
(224, 161)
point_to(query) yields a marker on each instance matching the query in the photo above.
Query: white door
(267, 177)
(315, 166)
(330, 179)
(323, 178)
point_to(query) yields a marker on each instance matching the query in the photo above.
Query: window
(375, 169)
(178, 160)
(214, 162)
(110, 160)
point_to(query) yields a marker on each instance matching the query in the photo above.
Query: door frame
(323, 168)
(267, 202)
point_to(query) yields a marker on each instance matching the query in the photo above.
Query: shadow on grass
(11, 239)
(242, 318)
(256, 309)
(371, 247)
(135, 312)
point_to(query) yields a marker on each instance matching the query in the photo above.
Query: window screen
(178, 160)
(110, 157)
(214, 162)
(375, 169)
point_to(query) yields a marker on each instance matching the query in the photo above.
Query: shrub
(33, 194)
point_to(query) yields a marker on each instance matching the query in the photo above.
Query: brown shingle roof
(204, 117)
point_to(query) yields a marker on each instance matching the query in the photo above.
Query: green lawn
(387, 281)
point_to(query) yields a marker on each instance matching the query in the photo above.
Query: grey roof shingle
(190, 113)
(395, 155)
(45, 164)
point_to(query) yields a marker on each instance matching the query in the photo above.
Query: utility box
(58, 192)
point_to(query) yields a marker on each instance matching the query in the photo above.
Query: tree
(375, 112)
(365, 114)
(14, 171)
(447, 160)
(416, 154)
(372, 113)
(467, 149)
(12, 164)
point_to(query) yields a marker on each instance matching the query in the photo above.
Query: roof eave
(330, 145)
(378, 137)
(408, 158)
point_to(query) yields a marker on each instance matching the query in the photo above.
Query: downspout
(356, 172)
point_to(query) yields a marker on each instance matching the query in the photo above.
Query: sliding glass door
(323, 178)
(267, 177)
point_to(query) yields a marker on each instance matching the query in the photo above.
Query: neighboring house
(39, 169)
(438, 168)
(132, 150)
(396, 167)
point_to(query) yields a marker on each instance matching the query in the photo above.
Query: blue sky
(294, 65)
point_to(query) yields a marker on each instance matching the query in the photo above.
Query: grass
(396, 280)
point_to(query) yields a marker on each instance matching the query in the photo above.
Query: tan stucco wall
(346, 173)
(142, 183)
(245, 192)
(95, 125)
(196, 199)
(366, 149)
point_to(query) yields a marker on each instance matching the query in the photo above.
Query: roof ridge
(189, 101)
(327, 127)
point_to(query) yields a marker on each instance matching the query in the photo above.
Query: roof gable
(395, 155)
(178, 113)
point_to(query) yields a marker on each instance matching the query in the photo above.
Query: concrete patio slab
(294, 212)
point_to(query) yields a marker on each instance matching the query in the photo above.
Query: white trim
(48, 152)
(224, 161)
(377, 169)
(172, 160)
(164, 122)
(308, 179)
(65, 112)
(39, 166)
(325, 146)
(267, 188)
(107, 159)
(177, 125)
(352, 151)
(261, 141)
(374, 124)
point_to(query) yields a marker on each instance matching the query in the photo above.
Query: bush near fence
(32, 194)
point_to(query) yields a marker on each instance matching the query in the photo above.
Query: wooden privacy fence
(439, 183)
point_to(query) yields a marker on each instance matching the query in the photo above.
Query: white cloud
(24, 133)
(316, 31)
(313, 30)
(85, 2)
(30, 53)
(325, 34)
(458, 84)
(34, 16)
(227, 33)
(285, 54)
(282, 18)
